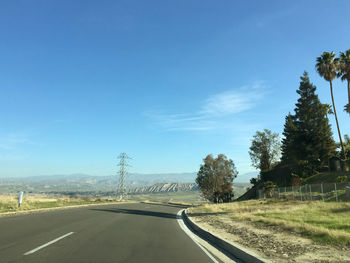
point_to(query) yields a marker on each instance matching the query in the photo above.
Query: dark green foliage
(314, 140)
(253, 181)
(268, 187)
(251, 193)
(344, 73)
(347, 108)
(265, 149)
(280, 175)
(215, 178)
(325, 177)
(342, 179)
(289, 148)
(347, 144)
(308, 142)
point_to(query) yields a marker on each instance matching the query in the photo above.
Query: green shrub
(342, 179)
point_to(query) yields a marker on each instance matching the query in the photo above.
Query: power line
(123, 165)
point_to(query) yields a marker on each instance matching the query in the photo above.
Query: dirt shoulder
(269, 241)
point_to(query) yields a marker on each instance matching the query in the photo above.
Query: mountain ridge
(85, 183)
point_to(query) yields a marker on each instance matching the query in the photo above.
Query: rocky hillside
(164, 187)
(238, 188)
(80, 184)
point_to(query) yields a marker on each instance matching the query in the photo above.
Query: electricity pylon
(123, 164)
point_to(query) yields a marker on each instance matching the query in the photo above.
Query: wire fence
(336, 192)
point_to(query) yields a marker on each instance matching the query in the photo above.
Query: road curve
(135, 232)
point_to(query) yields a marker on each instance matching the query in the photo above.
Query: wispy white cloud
(212, 110)
(233, 101)
(11, 141)
(11, 145)
(173, 122)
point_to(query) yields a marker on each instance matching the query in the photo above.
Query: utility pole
(123, 164)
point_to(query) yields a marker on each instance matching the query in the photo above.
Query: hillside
(87, 183)
(164, 187)
(136, 183)
(313, 232)
(325, 177)
(321, 177)
(80, 184)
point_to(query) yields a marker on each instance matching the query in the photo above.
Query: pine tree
(288, 142)
(308, 136)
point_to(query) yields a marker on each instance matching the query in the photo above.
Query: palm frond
(344, 65)
(327, 66)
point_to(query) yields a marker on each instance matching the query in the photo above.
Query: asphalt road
(111, 233)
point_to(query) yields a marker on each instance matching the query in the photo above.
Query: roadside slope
(281, 232)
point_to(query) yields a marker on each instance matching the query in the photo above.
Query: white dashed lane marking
(47, 244)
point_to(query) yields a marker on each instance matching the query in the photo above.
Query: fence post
(336, 192)
(322, 192)
(301, 196)
(293, 192)
(310, 192)
(279, 193)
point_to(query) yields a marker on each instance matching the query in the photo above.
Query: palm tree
(327, 67)
(344, 60)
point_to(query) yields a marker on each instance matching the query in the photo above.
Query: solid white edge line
(47, 244)
(191, 235)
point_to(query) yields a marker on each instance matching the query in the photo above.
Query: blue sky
(168, 82)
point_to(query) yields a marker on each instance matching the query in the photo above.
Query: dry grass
(8, 203)
(323, 222)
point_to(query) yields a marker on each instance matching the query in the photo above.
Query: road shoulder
(269, 243)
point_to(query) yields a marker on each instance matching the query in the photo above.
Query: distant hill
(135, 179)
(82, 183)
(238, 188)
(164, 187)
(245, 178)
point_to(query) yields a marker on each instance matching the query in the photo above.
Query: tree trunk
(336, 120)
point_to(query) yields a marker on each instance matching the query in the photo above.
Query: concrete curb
(228, 247)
